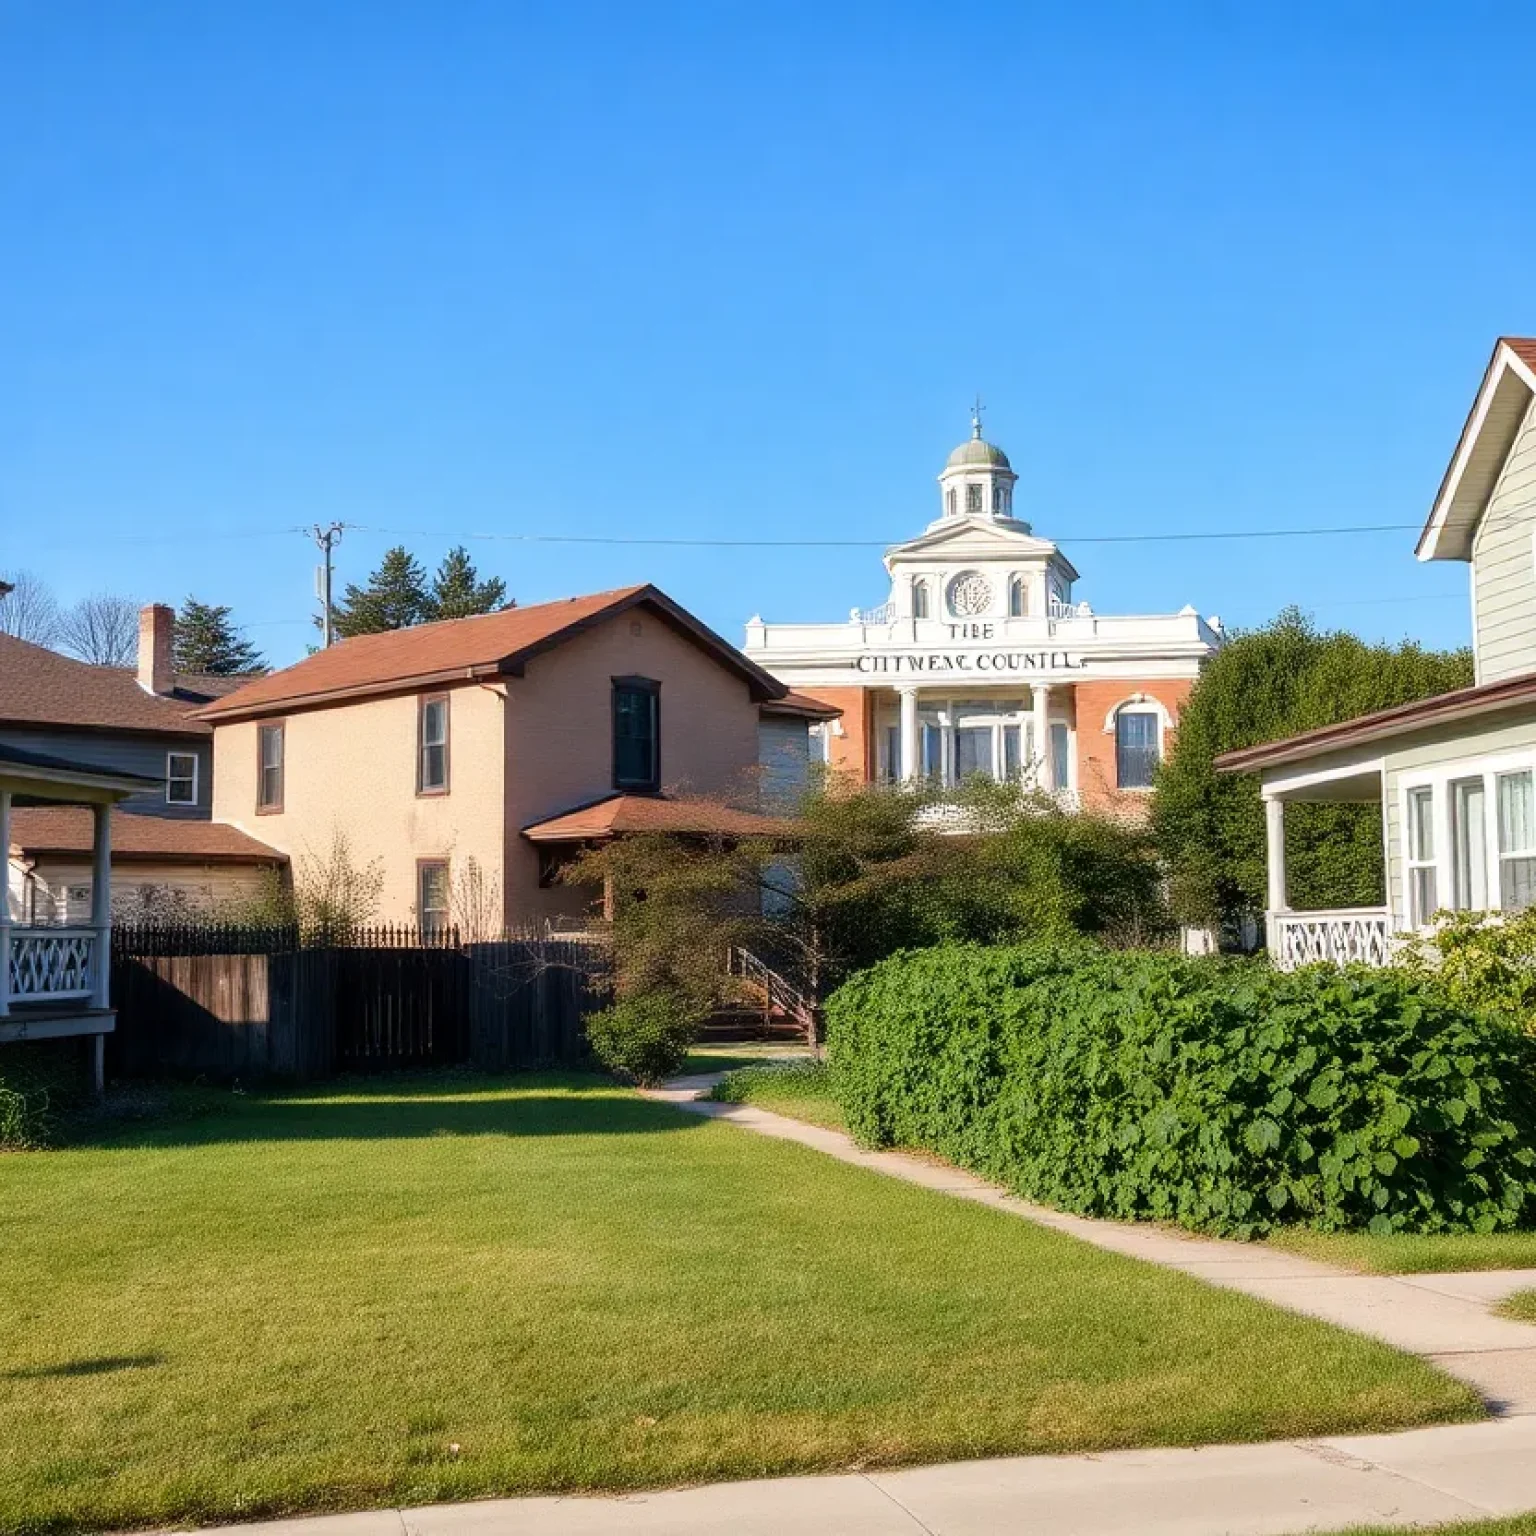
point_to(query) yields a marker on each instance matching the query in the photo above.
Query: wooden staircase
(768, 1007)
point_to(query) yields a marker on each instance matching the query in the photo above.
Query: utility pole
(326, 539)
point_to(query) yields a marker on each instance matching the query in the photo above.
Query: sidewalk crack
(927, 1530)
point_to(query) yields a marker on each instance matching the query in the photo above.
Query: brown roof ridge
(468, 649)
(1479, 698)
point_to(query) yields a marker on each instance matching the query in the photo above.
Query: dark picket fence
(235, 1002)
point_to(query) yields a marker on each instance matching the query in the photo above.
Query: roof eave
(223, 714)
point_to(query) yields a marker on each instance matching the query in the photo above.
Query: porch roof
(1509, 693)
(619, 814)
(39, 778)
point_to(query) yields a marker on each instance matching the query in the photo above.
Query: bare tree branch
(103, 629)
(29, 611)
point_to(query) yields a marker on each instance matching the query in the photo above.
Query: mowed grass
(1412, 1255)
(1521, 1307)
(1514, 1525)
(801, 1089)
(425, 1290)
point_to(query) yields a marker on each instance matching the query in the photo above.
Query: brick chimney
(156, 622)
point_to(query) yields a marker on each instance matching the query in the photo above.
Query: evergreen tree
(458, 592)
(395, 597)
(1267, 684)
(206, 640)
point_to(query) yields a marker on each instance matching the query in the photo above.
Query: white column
(1041, 701)
(101, 907)
(5, 903)
(1274, 852)
(906, 734)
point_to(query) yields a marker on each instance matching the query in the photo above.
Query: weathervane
(976, 411)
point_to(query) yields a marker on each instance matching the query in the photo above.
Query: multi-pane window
(1018, 598)
(1423, 888)
(181, 778)
(636, 734)
(919, 599)
(432, 895)
(269, 768)
(973, 497)
(1469, 845)
(1138, 747)
(1516, 798)
(432, 745)
(999, 499)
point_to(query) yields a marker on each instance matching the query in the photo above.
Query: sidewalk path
(1421, 1477)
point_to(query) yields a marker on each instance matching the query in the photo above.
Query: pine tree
(396, 597)
(458, 592)
(206, 640)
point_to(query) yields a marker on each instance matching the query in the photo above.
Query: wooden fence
(262, 1003)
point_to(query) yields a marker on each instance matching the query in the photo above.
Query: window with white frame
(1516, 798)
(432, 895)
(181, 778)
(919, 599)
(1423, 888)
(1138, 747)
(1469, 845)
(973, 498)
(432, 745)
(1018, 598)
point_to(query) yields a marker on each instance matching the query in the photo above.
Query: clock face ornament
(970, 594)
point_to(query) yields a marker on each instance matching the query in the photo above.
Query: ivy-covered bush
(1214, 1093)
(646, 1037)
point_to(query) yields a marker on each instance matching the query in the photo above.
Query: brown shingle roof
(802, 704)
(465, 650)
(66, 829)
(620, 814)
(1524, 347)
(40, 687)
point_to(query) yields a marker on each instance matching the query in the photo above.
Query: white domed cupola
(978, 480)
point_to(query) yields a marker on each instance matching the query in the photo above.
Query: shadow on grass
(100, 1365)
(385, 1109)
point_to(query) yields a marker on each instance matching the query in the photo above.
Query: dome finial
(976, 409)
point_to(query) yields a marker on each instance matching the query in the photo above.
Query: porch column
(1041, 701)
(907, 734)
(1274, 852)
(101, 907)
(5, 903)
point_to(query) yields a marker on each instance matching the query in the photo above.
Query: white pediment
(976, 539)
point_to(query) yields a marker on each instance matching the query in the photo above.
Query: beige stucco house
(470, 758)
(1455, 775)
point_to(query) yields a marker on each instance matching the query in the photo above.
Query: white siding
(1504, 566)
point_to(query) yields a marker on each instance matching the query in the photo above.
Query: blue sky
(713, 271)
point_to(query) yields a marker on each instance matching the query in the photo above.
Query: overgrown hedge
(1217, 1094)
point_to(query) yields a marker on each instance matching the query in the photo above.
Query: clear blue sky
(736, 271)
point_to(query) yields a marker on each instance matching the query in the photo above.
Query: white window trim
(1439, 861)
(196, 785)
(1439, 779)
(1139, 704)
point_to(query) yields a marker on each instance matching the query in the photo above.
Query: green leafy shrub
(645, 1037)
(1218, 1094)
(1482, 961)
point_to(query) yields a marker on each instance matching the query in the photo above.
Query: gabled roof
(619, 814)
(66, 830)
(979, 536)
(1503, 398)
(42, 688)
(467, 650)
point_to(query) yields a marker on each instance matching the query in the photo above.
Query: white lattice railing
(1346, 936)
(881, 615)
(51, 964)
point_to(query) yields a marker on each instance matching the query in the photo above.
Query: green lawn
(801, 1089)
(422, 1290)
(1407, 1255)
(1514, 1525)
(1521, 1306)
(732, 1054)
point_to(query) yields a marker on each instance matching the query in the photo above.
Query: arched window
(1137, 724)
(1018, 598)
(1000, 499)
(919, 599)
(949, 501)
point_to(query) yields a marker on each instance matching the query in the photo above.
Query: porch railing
(51, 965)
(1342, 936)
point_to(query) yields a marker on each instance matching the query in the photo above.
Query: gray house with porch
(1455, 775)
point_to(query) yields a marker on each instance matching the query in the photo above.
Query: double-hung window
(636, 734)
(1469, 845)
(432, 895)
(432, 745)
(181, 778)
(1138, 747)
(1516, 797)
(1423, 889)
(269, 767)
